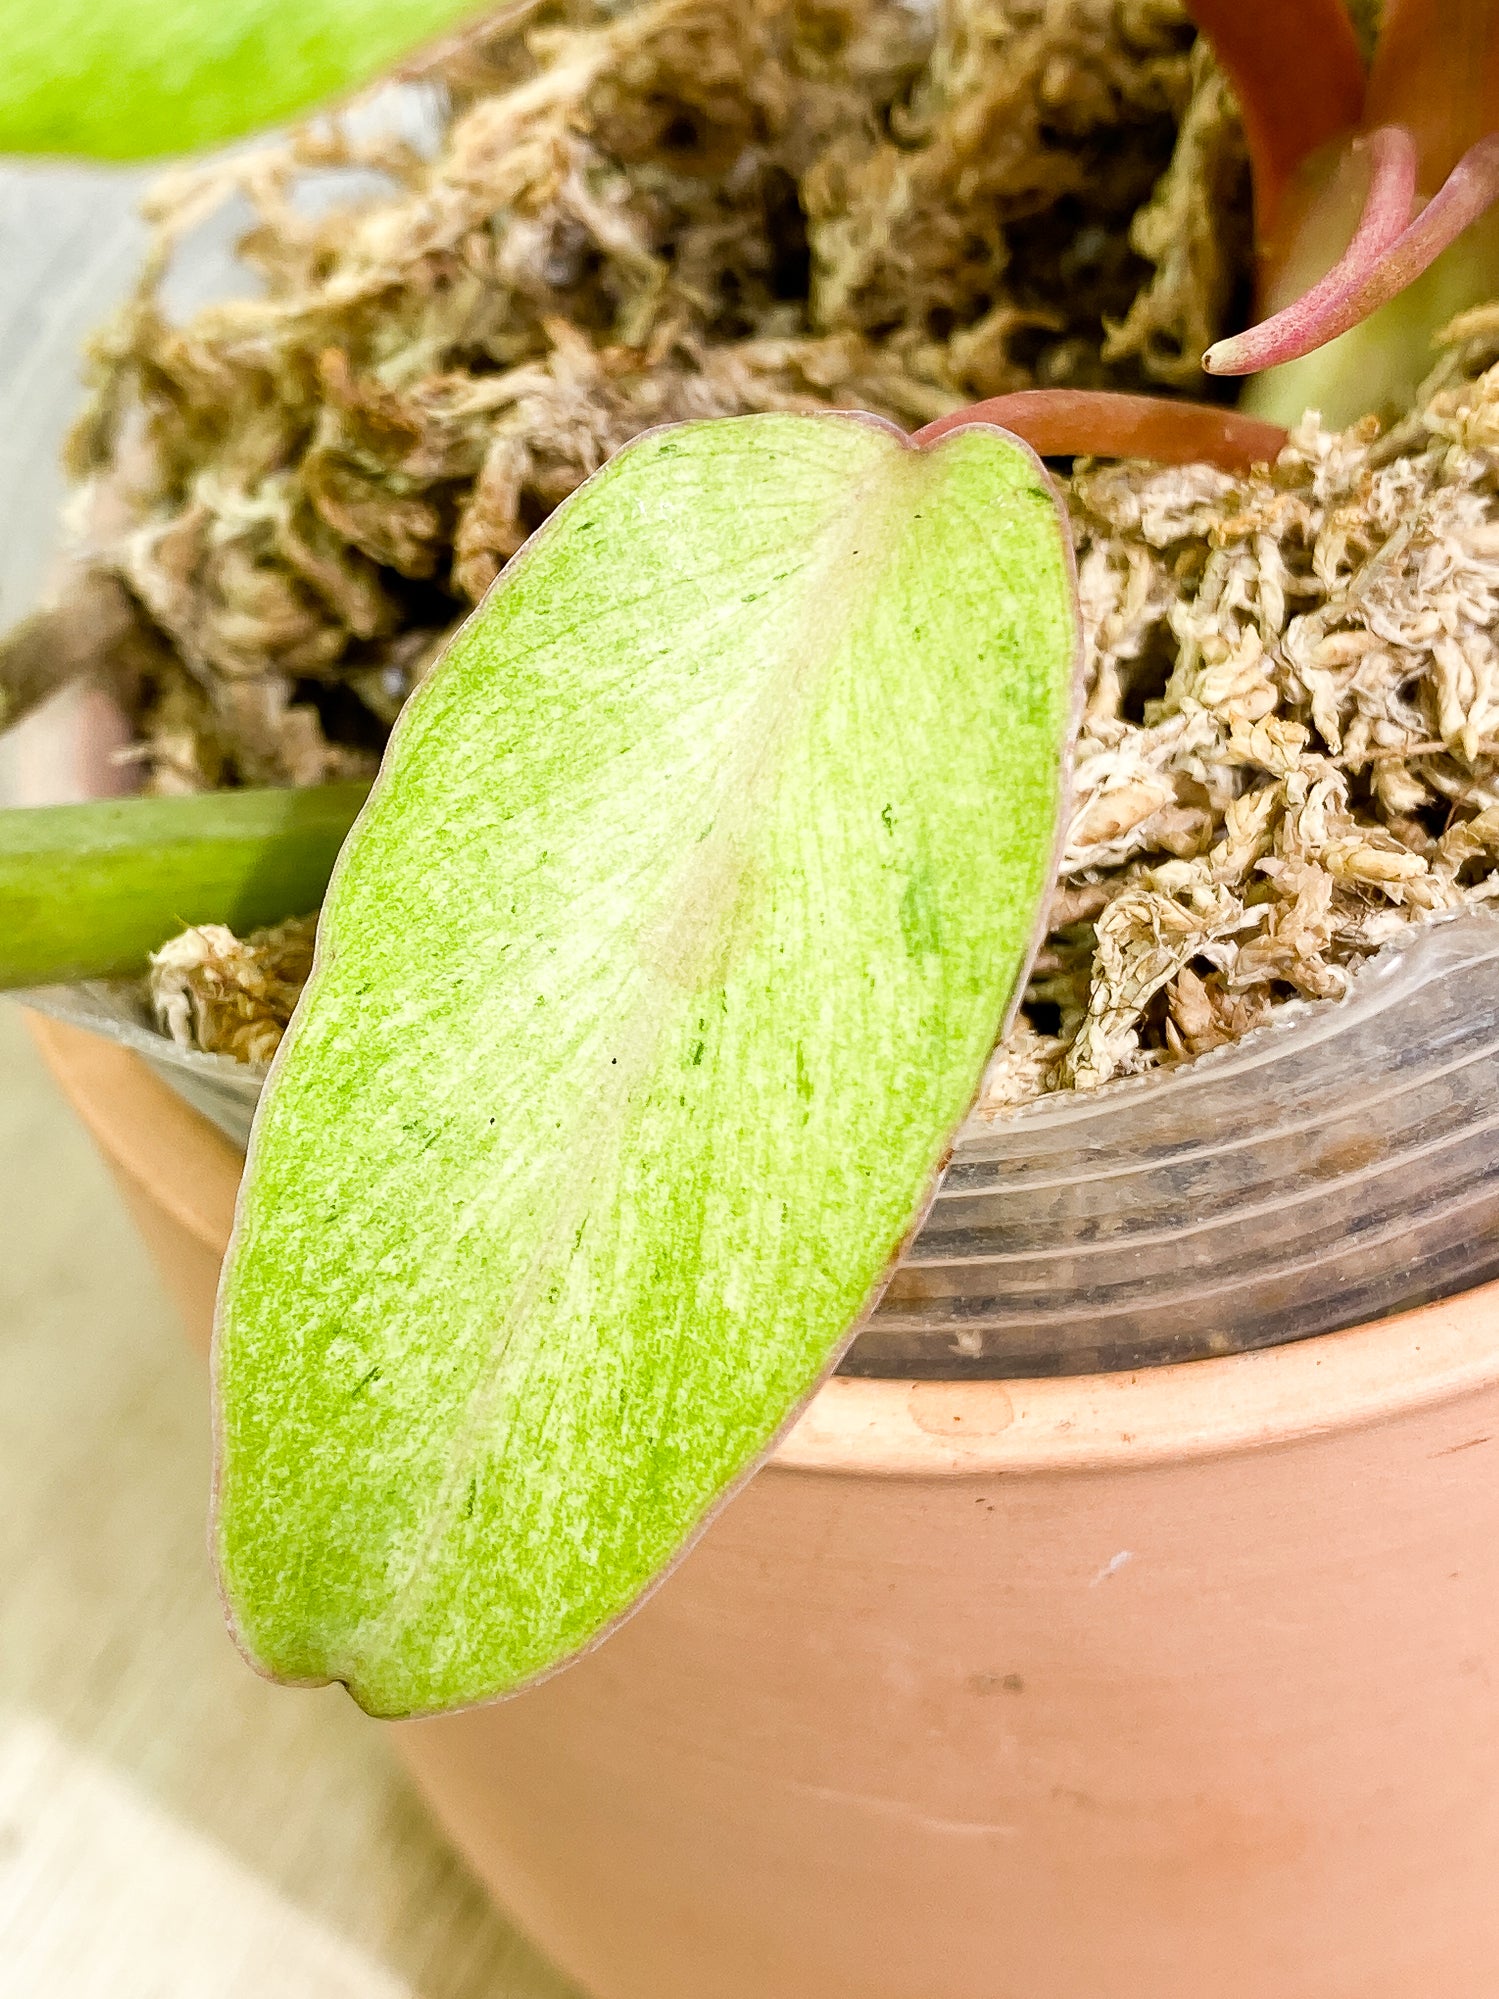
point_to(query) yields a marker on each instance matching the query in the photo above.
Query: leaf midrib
(603, 1111)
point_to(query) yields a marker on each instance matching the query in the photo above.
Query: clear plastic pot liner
(1336, 1166)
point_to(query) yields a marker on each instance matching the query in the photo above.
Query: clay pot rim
(917, 1429)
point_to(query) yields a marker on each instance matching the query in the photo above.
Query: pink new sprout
(1426, 116)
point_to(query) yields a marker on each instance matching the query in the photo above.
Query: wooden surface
(170, 1827)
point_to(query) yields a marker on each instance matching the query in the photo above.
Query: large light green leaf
(652, 984)
(123, 79)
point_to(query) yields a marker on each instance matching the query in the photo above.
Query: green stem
(87, 891)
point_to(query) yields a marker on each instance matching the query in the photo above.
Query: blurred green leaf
(131, 79)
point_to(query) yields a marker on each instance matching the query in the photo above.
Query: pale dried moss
(684, 208)
(230, 996)
(1290, 746)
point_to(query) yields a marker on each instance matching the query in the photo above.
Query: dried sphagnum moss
(1290, 745)
(229, 995)
(690, 208)
(1289, 750)
(695, 208)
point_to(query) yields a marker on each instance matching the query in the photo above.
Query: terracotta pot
(1152, 1686)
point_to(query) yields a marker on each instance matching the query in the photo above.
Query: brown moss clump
(685, 208)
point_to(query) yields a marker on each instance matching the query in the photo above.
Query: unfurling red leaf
(1387, 254)
(1298, 77)
(651, 986)
(125, 79)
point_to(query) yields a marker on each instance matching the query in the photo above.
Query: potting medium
(1332, 1168)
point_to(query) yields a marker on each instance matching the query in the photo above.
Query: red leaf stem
(1297, 72)
(1436, 69)
(1063, 423)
